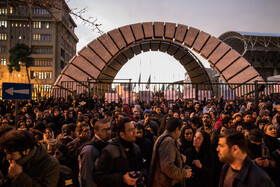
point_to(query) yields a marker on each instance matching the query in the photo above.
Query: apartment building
(48, 32)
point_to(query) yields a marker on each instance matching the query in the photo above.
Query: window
(40, 11)
(42, 37)
(37, 24)
(3, 11)
(43, 62)
(3, 24)
(45, 50)
(3, 36)
(11, 10)
(2, 49)
(3, 61)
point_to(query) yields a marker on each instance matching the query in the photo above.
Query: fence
(130, 92)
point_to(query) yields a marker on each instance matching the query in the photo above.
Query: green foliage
(19, 53)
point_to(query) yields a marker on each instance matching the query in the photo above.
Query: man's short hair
(173, 123)
(233, 137)
(247, 113)
(17, 140)
(97, 124)
(208, 115)
(120, 126)
(195, 120)
(79, 128)
(225, 120)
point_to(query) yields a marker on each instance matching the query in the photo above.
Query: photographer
(121, 159)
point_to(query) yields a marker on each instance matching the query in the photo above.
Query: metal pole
(89, 100)
(129, 89)
(256, 93)
(16, 105)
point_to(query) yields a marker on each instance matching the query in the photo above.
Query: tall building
(48, 32)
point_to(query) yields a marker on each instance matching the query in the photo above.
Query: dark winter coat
(250, 175)
(115, 161)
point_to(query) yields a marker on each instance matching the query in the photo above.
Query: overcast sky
(212, 16)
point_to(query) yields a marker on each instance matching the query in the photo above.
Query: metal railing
(131, 92)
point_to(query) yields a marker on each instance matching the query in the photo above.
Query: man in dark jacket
(120, 159)
(91, 151)
(30, 164)
(239, 169)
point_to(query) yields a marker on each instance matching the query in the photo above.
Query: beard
(228, 158)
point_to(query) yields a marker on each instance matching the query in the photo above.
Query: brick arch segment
(103, 57)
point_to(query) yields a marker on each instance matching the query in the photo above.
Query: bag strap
(153, 161)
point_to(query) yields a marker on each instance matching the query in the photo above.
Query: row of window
(37, 62)
(41, 75)
(43, 50)
(43, 62)
(36, 24)
(40, 11)
(23, 10)
(14, 24)
(42, 37)
(41, 25)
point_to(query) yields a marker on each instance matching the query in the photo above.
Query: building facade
(48, 32)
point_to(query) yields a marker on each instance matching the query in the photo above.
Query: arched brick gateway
(104, 57)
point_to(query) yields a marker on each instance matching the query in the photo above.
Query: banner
(171, 95)
(111, 97)
(146, 96)
(125, 97)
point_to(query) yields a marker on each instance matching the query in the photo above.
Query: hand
(184, 158)
(259, 161)
(147, 120)
(128, 180)
(197, 163)
(265, 163)
(14, 169)
(189, 173)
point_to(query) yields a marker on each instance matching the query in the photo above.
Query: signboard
(16, 91)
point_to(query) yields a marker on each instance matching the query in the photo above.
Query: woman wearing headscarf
(186, 138)
(201, 160)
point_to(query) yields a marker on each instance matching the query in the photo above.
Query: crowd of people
(213, 142)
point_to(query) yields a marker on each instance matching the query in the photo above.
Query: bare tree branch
(61, 5)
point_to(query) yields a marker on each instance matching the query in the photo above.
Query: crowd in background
(67, 128)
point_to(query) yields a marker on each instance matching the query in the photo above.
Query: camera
(139, 175)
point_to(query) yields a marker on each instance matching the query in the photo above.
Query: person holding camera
(120, 163)
(167, 165)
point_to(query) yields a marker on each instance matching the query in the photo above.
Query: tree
(20, 55)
